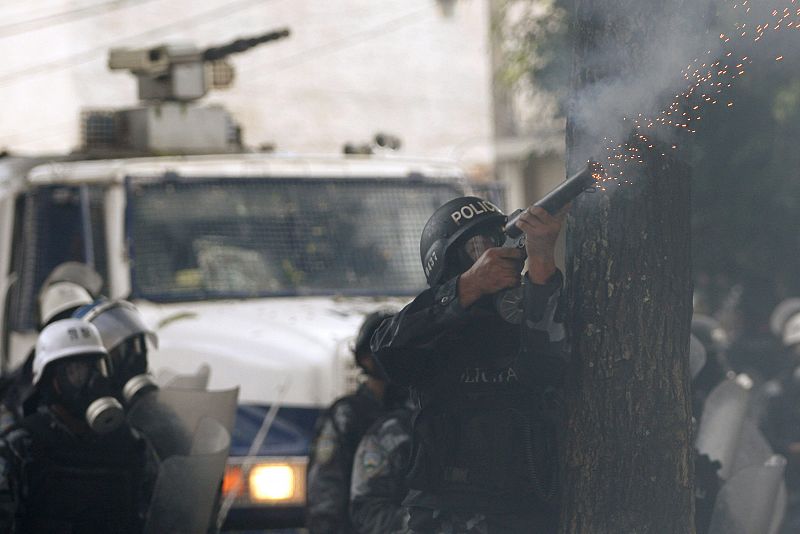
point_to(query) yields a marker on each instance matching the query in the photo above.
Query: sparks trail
(708, 79)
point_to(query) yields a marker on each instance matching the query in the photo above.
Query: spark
(708, 80)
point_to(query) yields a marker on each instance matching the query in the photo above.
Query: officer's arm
(327, 484)
(405, 345)
(544, 335)
(378, 486)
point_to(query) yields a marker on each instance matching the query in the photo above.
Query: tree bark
(628, 423)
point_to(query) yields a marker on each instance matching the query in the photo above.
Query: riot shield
(169, 418)
(723, 418)
(753, 501)
(169, 379)
(752, 448)
(187, 485)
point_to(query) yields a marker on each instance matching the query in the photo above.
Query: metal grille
(494, 192)
(53, 232)
(102, 129)
(218, 238)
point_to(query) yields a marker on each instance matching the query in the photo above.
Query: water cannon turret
(242, 45)
(167, 121)
(183, 72)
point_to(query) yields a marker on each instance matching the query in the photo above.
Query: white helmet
(62, 339)
(791, 331)
(782, 313)
(59, 297)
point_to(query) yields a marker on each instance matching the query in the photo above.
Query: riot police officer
(57, 300)
(380, 465)
(73, 465)
(126, 337)
(337, 434)
(781, 420)
(486, 374)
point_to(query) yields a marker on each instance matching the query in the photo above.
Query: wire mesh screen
(54, 231)
(222, 238)
(494, 192)
(103, 129)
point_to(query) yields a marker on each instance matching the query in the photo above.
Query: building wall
(529, 131)
(351, 68)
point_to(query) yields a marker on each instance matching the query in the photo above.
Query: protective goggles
(76, 373)
(476, 245)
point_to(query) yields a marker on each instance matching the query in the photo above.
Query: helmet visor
(117, 322)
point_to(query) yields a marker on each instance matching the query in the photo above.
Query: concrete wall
(350, 69)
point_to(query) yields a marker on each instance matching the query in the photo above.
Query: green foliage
(534, 42)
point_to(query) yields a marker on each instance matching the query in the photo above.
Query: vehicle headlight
(267, 481)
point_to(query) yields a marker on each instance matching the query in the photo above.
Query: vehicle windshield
(193, 239)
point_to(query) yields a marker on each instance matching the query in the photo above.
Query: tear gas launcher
(560, 196)
(508, 302)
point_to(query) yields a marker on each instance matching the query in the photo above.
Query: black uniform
(55, 481)
(14, 389)
(379, 475)
(484, 440)
(337, 434)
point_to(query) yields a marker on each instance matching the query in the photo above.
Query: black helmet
(448, 224)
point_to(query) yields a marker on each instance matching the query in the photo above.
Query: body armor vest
(486, 429)
(81, 485)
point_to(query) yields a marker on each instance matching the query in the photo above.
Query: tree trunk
(627, 448)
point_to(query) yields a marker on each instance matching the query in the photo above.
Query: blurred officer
(69, 286)
(73, 465)
(57, 300)
(337, 433)
(379, 474)
(713, 344)
(781, 419)
(126, 337)
(486, 365)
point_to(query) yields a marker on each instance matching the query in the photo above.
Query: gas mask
(82, 388)
(124, 331)
(129, 369)
(507, 302)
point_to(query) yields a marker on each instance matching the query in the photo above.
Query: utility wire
(88, 55)
(54, 19)
(335, 45)
(313, 52)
